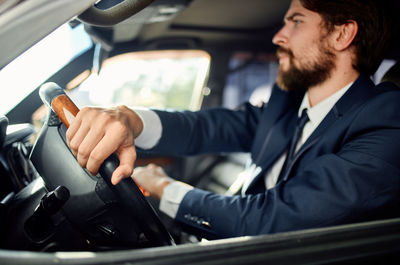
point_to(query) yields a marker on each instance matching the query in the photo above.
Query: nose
(280, 37)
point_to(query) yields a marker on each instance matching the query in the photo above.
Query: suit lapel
(278, 126)
(359, 92)
(356, 95)
(276, 129)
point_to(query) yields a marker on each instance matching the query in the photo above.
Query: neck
(339, 78)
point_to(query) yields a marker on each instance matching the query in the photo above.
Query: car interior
(59, 56)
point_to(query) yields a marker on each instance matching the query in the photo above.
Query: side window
(160, 79)
(72, 41)
(250, 79)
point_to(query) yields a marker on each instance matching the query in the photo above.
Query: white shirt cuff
(152, 129)
(172, 197)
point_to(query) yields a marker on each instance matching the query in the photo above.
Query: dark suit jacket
(347, 171)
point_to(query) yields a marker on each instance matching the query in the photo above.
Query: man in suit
(340, 165)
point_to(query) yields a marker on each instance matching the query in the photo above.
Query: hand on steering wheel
(126, 190)
(96, 133)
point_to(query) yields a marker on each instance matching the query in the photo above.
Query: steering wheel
(91, 204)
(111, 16)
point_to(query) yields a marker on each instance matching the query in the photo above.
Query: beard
(308, 75)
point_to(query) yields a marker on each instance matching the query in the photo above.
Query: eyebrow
(292, 16)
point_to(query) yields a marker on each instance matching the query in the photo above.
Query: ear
(344, 35)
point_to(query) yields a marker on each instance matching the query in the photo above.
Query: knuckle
(128, 171)
(86, 109)
(83, 112)
(96, 157)
(74, 145)
(104, 115)
(103, 119)
(120, 126)
(83, 152)
(82, 162)
(68, 135)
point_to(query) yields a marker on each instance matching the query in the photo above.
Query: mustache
(282, 50)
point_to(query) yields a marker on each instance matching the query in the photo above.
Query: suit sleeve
(359, 181)
(207, 131)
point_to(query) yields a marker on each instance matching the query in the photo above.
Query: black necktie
(293, 143)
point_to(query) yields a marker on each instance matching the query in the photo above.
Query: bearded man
(324, 150)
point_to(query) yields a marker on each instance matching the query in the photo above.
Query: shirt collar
(318, 112)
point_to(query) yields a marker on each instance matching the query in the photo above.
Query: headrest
(393, 74)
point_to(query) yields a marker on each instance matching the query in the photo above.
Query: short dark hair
(372, 39)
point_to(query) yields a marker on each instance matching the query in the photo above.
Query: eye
(297, 22)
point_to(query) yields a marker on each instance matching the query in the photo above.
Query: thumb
(127, 157)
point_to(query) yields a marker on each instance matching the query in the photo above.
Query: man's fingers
(73, 128)
(77, 139)
(75, 125)
(108, 145)
(86, 147)
(119, 174)
(152, 179)
(127, 157)
(97, 133)
(104, 148)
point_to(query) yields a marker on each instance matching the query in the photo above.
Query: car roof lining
(252, 24)
(258, 20)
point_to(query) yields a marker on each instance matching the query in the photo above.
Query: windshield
(159, 79)
(40, 62)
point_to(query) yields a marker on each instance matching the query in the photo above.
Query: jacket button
(204, 223)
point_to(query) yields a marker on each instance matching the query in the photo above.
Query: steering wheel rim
(131, 196)
(127, 192)
(114, 15)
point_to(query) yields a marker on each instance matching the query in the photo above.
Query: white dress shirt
(174, 192)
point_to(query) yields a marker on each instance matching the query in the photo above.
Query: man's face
(305, 58)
